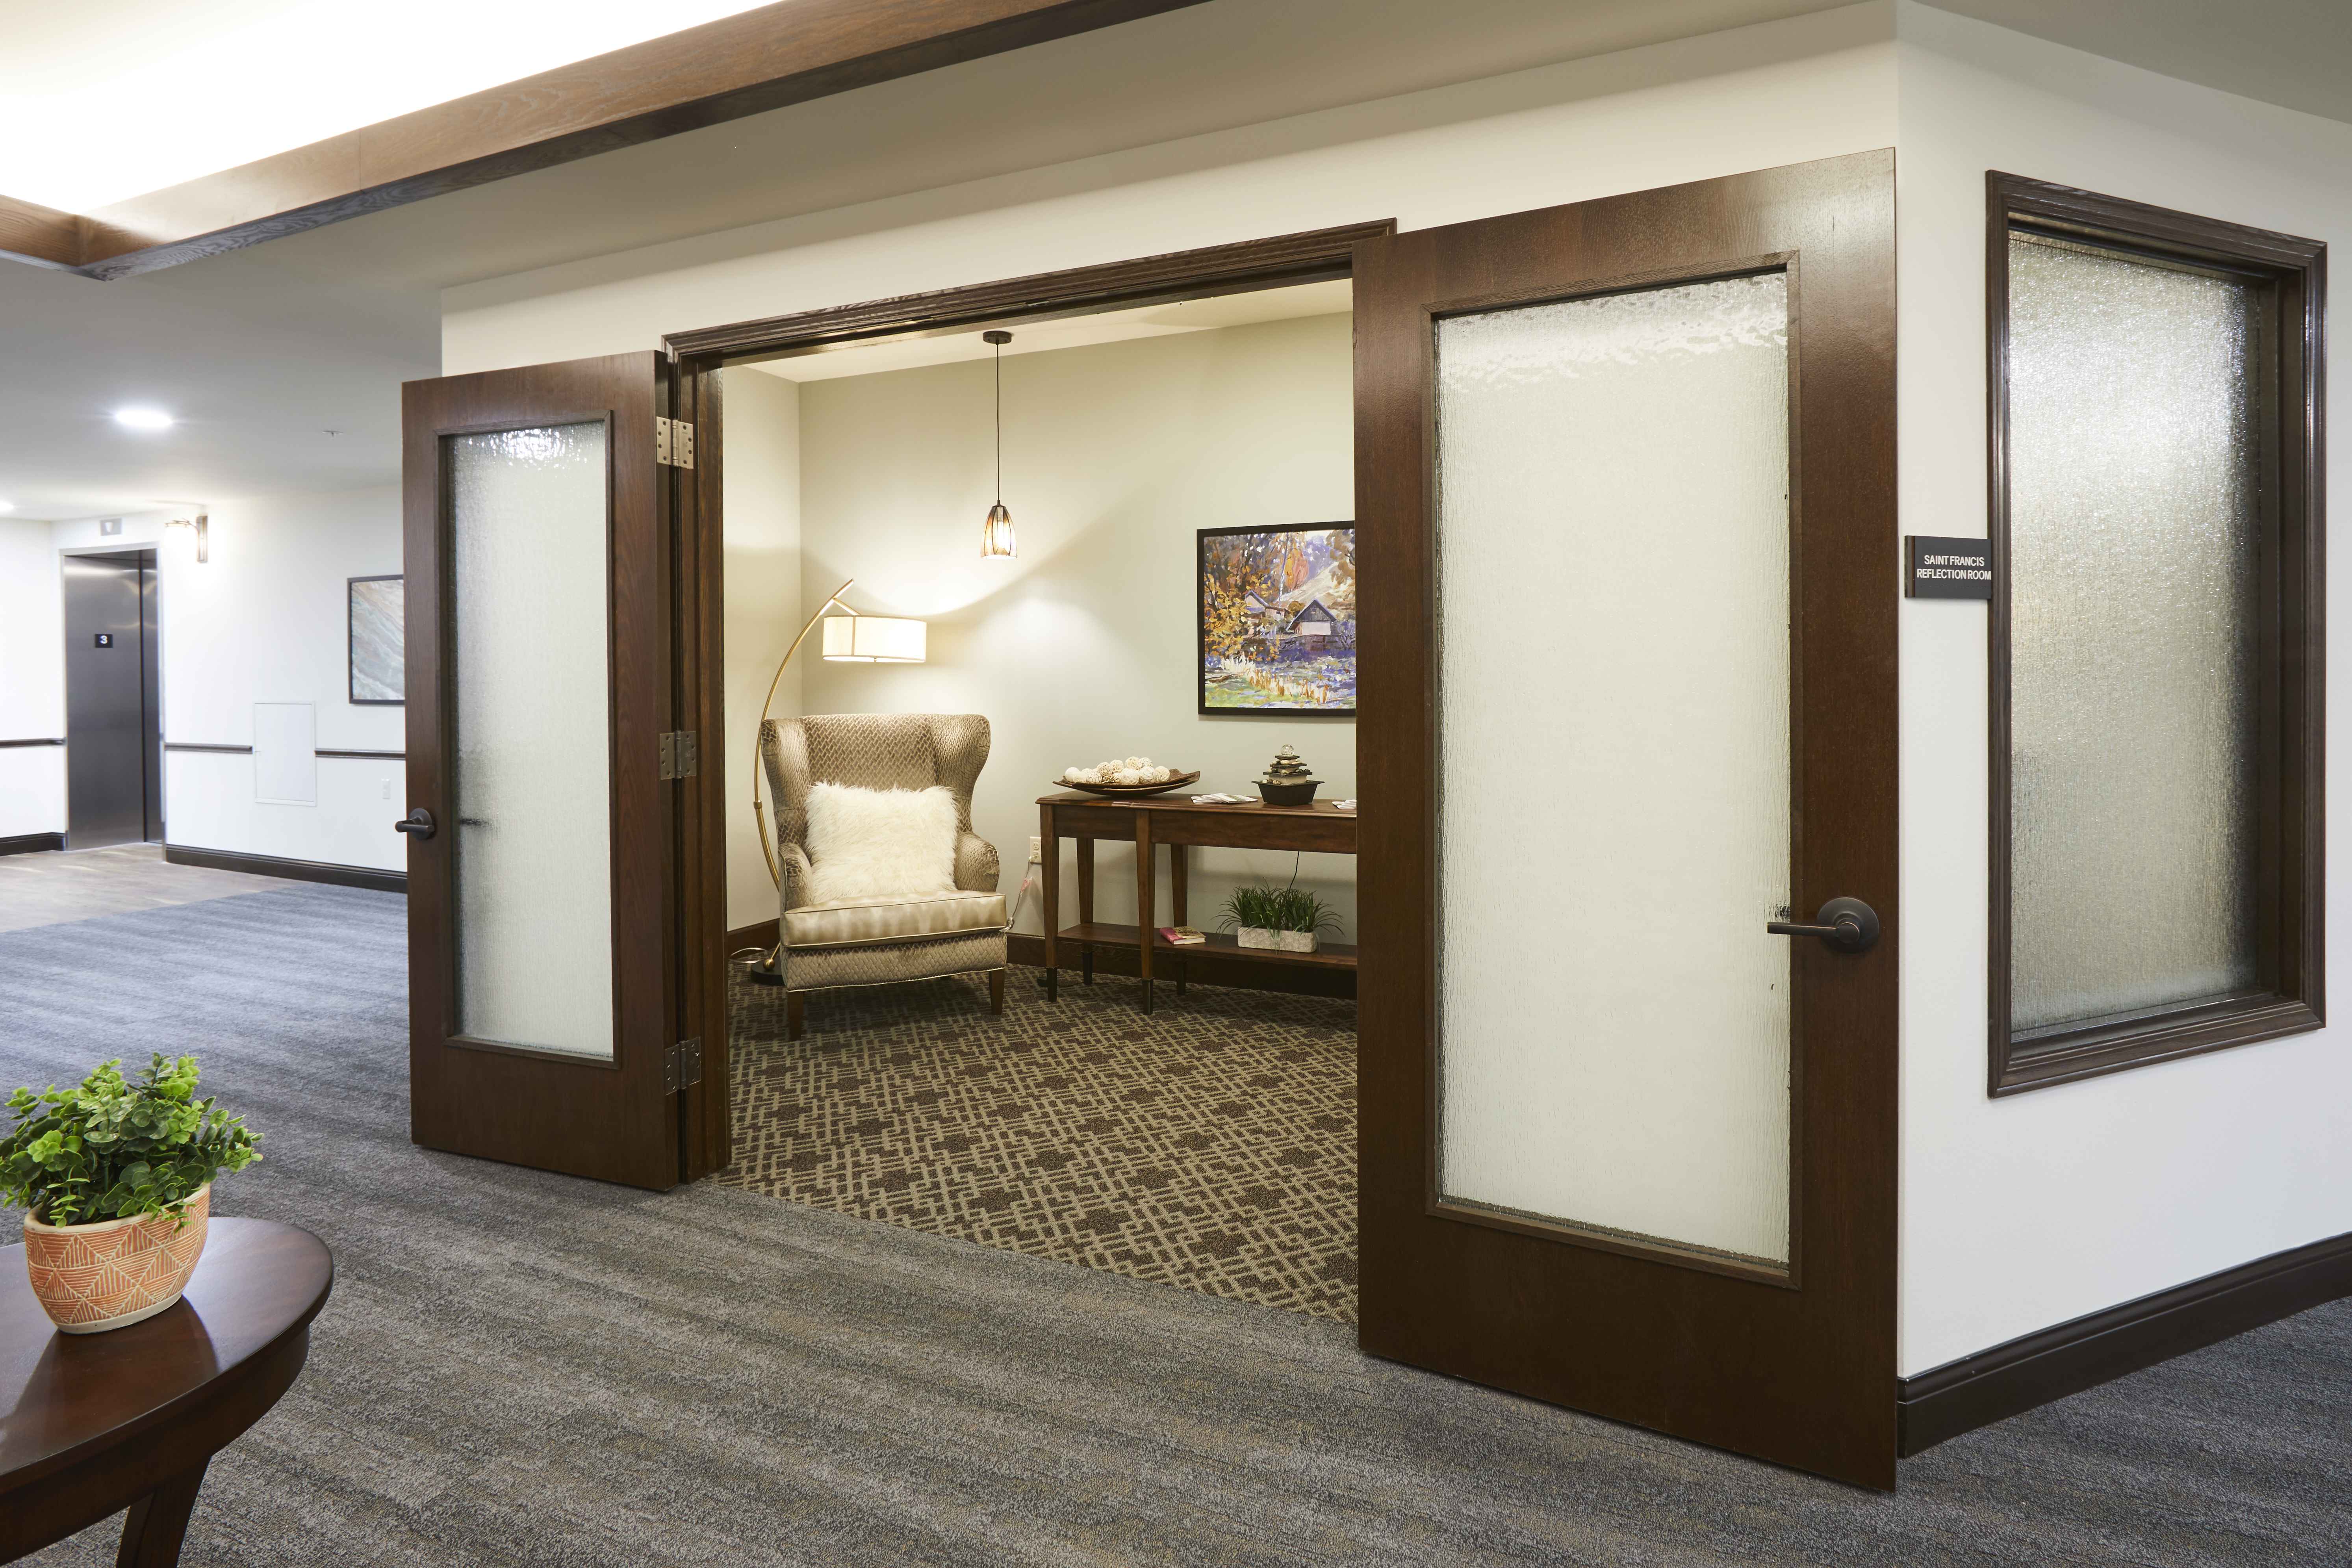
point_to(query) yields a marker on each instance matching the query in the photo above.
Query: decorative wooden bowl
(1134, 792)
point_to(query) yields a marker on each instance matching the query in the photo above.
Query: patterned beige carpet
(1210, 1146)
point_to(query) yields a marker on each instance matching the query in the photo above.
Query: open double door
(1626, 620)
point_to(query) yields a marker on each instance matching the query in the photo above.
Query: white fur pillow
(875, 843)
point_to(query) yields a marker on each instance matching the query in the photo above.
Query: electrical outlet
(387, 789)
(1036, 850)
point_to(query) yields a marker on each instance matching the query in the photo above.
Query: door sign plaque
(1948, 568)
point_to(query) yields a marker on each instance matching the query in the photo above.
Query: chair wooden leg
(794, 1018)
(996, 992)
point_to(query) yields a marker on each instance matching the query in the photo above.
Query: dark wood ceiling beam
(748, 64)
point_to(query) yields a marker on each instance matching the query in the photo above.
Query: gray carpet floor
(520, 1368)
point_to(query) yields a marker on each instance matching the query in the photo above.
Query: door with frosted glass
(1628, 1020)
(539, 544)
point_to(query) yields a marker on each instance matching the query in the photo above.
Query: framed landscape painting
(378, 652)
(1278, 619)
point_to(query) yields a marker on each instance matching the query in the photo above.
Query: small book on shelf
(1180, 936)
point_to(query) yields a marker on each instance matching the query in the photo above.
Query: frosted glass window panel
(1614, 761)
(2134, 524)
(532, 776)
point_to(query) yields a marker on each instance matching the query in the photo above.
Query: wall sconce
(203, 526)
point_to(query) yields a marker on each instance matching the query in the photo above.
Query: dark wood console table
(1172, 820)
(94, 1424)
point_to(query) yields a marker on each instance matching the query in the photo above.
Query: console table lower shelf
(1095, 933)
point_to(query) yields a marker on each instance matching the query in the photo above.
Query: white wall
(761, 469)
(32, 681)
(264, 620)
(2028, 1211)
(1753, 97)
(1084, 646)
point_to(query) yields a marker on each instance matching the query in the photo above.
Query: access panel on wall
(1628, 553)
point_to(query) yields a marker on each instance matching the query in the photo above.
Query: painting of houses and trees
(1278, 619)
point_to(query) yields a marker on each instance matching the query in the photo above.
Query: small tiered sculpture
(1286, 781)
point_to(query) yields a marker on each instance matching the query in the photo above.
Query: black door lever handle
(419, 822)
(1848, 925)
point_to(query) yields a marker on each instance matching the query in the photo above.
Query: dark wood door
(1622, 1147)
(543, 976)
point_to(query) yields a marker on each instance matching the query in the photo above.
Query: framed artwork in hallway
(378, 667)
(1277, 619)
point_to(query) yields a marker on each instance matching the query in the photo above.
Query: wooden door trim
(794, 51)
(1461, 1292)
(1310, 256)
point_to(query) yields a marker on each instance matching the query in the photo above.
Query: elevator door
(113, 793)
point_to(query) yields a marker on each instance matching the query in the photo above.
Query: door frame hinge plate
(681, 1066)
(681, 754)
(673, 443)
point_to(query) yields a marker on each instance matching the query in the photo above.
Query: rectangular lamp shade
(873, 640)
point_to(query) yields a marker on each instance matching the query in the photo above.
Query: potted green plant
(1288, 919)
(115, 1177)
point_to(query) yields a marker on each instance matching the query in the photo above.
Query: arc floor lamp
(849, 639)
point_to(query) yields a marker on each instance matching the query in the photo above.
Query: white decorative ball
(1127, 776)
(1146, 763)
(1161, 775)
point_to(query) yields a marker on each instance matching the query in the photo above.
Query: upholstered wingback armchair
(881, 942)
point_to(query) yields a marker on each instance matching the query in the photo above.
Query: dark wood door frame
(698, 953)
(1801, 1370)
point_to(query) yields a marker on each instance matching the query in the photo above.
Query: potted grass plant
(1289, 919)
(115, 1178)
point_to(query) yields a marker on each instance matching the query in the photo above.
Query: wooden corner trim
(2037, 1368)
(782, 54)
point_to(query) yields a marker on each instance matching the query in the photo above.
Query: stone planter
(111, 1273)
(1279, 940)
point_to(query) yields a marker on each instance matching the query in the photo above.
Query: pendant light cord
(1000, 423)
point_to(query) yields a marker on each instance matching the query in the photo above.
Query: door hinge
(681, 1066)
(681, 754)
(673, 443)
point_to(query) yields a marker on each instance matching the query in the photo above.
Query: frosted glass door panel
(1614, 763)
(533, 762)
(2134, 526)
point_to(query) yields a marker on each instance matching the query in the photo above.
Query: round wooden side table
(93, 1423)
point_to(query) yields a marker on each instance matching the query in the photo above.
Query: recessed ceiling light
(144, 418)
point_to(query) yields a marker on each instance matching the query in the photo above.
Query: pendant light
(996, 533)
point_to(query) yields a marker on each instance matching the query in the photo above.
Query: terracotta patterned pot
(91, 1278)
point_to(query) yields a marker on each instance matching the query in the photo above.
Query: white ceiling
(261, 350)
(158, 91)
